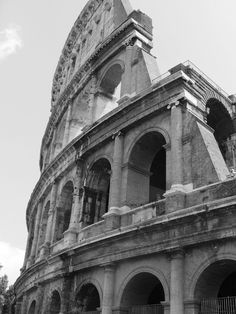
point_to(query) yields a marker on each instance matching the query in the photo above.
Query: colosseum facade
(135, 208)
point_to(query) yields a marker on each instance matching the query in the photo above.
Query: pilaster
(108, 288)
(36, 233)
(48, 236)
(175, 197)
(177, 282)
(70, 236)
(116, 177)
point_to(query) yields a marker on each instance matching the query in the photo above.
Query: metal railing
(218, 306)
(147, 309)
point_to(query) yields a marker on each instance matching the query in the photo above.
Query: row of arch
(147, 169)
(147, 287)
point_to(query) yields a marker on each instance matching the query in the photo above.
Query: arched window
(64, 209)
(108, 92)
(216, 288)
(143, 294)
(96, 192)
(87, 299)
(55, 303)
(220, 121)
(146, 173)
(32, 307)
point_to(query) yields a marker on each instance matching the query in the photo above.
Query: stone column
(70, 236)
(18, 307)
(36, 233)
(175, 197)
(48, 236)
(127, 75)
(116, 177)
(40, 296)
(66, 137)
(29, 238)
(108, 289)
(65, 295)
(24, 305)
(177, 283)
(176, 146)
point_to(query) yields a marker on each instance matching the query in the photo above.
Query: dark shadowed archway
(96, 192)
(146, 178)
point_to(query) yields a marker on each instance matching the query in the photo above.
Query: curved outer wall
(135, 202)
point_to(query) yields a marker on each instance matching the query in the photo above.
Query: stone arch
(210, 94)
(54, 306)
(87, 296)
(32, 307)
(143, 275)
(142, 133)
(204, 266)
(92, 281)
(64, 210)
(219, 119)
(108, 89)
(96, 191)
(146, 165)
(108, 66)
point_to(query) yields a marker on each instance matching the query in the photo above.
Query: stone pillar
(36, 233)
(65, 295)
(51, 155)
(29, 238)
(176, 146)
(177, 283)
(48, 236)
(40, 296)
(24, 305)
(116, 177)
(18, 307)
(108, 289)
(127, 75)
(70, 236)
(175, 197)
(66, 137)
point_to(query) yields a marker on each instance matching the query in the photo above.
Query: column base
(44, 251)
(191, 307)
(70, 237)
(175, 198)
(166, 306)
(112, 219)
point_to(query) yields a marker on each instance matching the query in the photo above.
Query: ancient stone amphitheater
(135, 208)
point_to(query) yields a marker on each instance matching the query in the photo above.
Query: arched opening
(32, 307)
(96, 192)
(220, 121)
(64, 210)
(55, 303)
(216, 288)
(108, 92)
(43, 227)
(87, 299)
(143, 294)
(146, 177)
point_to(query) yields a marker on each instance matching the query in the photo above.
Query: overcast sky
(32, 35)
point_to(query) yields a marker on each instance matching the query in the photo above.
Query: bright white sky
(32, 35)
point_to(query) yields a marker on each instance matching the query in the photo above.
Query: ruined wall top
(96, 22)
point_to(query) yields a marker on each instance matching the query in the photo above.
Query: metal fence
(218, 306)
(147, 309)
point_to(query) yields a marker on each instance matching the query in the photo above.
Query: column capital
(176, 101)
(109, 267)
(117, 134)
(177, 253)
